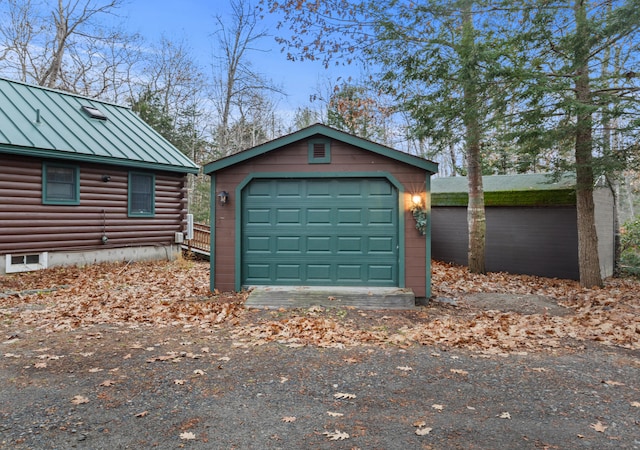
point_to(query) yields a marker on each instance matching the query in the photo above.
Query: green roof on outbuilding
(535, 189)
(326, 131)
(40, 122)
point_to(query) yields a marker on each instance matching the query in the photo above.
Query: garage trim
(299, 175)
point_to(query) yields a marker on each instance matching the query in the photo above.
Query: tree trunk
(588, 259)
(475, 210)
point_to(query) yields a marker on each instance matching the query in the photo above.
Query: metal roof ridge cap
(61, 92)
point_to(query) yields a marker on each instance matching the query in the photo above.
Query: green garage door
(319, 232)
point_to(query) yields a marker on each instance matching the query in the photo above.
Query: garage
(321, 207)
(340, 232)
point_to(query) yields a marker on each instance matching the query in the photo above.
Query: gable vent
(94, 113)
(319, 151)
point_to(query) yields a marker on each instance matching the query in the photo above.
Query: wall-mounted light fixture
(106, 178)
(419, 213)
(223, 198)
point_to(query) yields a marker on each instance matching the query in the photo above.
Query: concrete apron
(275, 297)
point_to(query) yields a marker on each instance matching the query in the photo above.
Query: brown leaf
(143, 414)
(107, 383)
(344, 396)
(423, 431)
(459, 371)
(187, 436)
(599, 427)
(336, 435)
(79, 400)
(288, 419)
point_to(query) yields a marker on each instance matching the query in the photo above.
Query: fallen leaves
(158, 293)
(599, 427)
(504, 415)
(336, 435)
(79, 400)
(187, 436)
(288, 419)
(423, 431)
(344, 396)
(161, 293)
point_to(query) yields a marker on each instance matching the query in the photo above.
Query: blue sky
(194, 21)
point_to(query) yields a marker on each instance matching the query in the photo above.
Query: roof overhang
(75, 157)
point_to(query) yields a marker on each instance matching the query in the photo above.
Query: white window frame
(43, 263)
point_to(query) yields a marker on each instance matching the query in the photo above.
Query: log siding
(27, 225)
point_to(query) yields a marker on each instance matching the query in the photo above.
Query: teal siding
(320, 232)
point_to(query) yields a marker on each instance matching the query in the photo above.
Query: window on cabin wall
(60, 184)
(142, 188)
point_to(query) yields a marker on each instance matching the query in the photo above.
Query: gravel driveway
(176, 387)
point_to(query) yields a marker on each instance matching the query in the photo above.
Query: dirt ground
(142, 356)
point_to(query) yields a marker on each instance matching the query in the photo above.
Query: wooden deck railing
(201, 238)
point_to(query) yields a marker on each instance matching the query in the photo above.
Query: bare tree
(65, 45)
(236, 82)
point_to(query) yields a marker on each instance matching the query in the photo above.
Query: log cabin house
(84, 181)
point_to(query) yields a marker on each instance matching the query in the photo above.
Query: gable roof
(320, 130)
(42, 122)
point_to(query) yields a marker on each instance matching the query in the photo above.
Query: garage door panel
(319, 216)
(381, 216)
(258, 244)
(288, 188)
(258, 216)
(381, 244)
(320, 232)
(349, 216)
(349, 188)
(320, 273)
(380, 273)
(380, 188)
(259, 273)
(288, 244)
(350, 244)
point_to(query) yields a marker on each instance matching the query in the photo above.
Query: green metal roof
(535, 189)
(41, 122)
(321, 130)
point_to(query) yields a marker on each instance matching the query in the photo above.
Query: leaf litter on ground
(177, 294)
